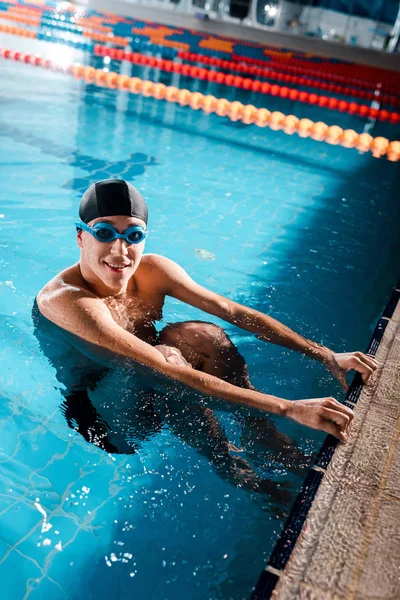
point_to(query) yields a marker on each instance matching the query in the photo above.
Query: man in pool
(110, 300)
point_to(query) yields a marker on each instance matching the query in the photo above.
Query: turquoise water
(304, 231)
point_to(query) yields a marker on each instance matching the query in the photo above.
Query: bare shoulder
(57, 297)
(158, 263)
(159, 271)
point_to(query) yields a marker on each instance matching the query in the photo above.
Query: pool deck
(349, 546)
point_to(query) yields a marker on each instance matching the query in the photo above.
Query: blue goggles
(105, 232)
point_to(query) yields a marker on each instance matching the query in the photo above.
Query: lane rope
(362, 110)
(269, 73)
(235, 111)
(326, 68)
(350, 71)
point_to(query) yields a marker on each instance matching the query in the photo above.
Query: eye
(104, 234)
(136, 236)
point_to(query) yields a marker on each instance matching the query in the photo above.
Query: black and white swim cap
(112, 197)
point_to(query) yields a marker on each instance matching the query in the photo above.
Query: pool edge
(303, 562)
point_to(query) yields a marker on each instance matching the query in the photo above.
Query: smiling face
(108, 266)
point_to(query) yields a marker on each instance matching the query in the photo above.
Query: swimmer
(111, 299)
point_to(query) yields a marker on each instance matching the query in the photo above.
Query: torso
(137, 314)
(136, 311)
(83, 369)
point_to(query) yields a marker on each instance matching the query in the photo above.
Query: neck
(97, 286)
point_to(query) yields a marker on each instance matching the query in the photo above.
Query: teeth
(116, 266)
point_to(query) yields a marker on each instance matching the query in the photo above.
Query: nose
(119, 246)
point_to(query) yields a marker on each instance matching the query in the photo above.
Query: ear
(79, 238)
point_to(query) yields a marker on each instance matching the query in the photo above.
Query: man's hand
(326, 414)
(340, 363)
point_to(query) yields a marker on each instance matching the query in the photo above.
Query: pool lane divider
(98, 37)
(261, 87)
(278, 58)
(73, 26)
(46, 34)
(390, 86)
(387, 97)
(299, 512)
(236, 111)
(324, 68)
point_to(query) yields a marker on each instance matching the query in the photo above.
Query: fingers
(336, 430)
(336, 419)
(341, 435)
(362, 367)
(326, 414)
(364, 364)
(369, 360)
(333, 404)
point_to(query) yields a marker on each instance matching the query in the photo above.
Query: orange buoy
(111, 80)
(334, 134)
(78, 71)
(249, 114)
(184, 97)
(196, 100)
(135, 85)
(319, 131)
(100, 77)
(363, 142)
(290, 124)
(209, 104)
(235, 111)
(147, 88)
(123, 82)
(222, 107)
(262, 117)
(171, 93)
(393, 151)
(89, 74)
(276, 119)
(304, 127)
(159, 91)
(379, 146)
(349, 138)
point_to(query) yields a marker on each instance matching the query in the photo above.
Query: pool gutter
(342, 537)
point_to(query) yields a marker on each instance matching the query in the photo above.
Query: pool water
(304, 231)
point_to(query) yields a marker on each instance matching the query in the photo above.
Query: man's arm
(179, 285)
(89, 318)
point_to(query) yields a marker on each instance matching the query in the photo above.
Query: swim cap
(112, 197)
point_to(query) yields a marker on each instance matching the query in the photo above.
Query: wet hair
(112, 197)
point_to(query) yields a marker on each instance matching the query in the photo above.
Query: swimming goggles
(105, 232)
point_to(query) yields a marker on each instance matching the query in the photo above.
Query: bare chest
(137, 314)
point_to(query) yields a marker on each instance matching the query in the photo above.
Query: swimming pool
(304, 231)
